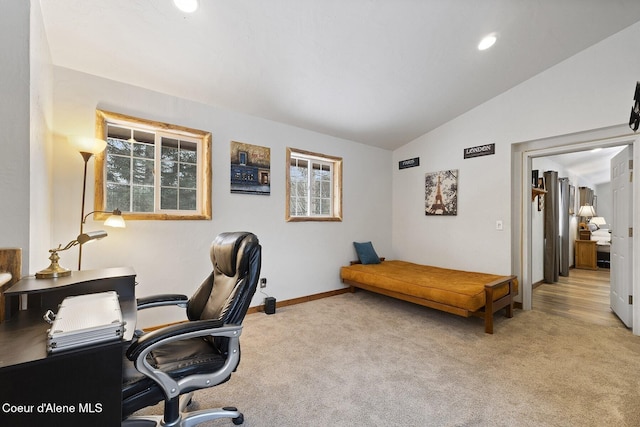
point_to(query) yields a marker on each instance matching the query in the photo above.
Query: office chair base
(187, 419)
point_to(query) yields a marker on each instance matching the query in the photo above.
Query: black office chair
(203, 352)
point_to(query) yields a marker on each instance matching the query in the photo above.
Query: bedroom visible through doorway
(582, 244)
(522, 155)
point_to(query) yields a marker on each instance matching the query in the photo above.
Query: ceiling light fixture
(187, 6)
(487, 42)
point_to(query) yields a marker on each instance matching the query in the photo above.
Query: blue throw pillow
(366, 253)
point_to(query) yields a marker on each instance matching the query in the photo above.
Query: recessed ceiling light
(187, 6)
(487, 42)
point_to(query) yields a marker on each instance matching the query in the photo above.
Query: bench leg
(509, 313)
(488, 324)
(488, 313)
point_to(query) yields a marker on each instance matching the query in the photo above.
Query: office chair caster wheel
(239, 420)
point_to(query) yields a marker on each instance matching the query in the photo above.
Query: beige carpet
(368, 360)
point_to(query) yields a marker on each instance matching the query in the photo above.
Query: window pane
(187, 200)
(118, 169)
(298, 206)
(325, 189)
(118, 146)
(144, 150)
(315, 206)
(188, 152)
(119, 132)
(169, 176)
(169, 198)
(170, 149)
(299, 169)
(142, 198)
(301, 189)
(143, 136)
(143, 171)
(118, 197)
(188, 176)
(325, 207)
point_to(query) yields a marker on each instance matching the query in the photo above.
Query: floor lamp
(87, 148)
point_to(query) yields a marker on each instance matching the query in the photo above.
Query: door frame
(522, 154)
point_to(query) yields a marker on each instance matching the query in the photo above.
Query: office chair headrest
(224, 251)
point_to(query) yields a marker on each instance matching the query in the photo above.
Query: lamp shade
(115, 220)
(587, 211)
(87, 145)
(91, 235)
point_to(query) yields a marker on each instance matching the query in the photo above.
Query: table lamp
(55, 270)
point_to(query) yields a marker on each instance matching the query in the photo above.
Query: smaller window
(314, 186)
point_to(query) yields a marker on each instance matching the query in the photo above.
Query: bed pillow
(366, 253)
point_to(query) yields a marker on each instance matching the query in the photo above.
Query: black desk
(80, 387)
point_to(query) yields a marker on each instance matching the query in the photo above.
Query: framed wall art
(250, 169)
(441, 193)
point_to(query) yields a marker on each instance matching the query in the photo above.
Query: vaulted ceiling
(379, 72)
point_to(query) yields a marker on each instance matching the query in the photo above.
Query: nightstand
(586, 256)
(585, 234)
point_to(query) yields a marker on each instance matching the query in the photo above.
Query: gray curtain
(564, 226)
(551, 228)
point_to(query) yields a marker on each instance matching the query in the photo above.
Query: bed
(454, 291)
(602, 236)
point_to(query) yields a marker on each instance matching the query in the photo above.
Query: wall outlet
(263, 282)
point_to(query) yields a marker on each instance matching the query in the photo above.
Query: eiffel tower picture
(441, 193)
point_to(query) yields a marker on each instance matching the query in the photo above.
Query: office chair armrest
(139, 350)
(178, 331)
(162, 300)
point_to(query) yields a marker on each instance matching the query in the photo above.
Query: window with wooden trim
(314, 186)
(152, 170)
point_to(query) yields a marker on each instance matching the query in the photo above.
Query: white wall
(605, 201)
(299, 259)
(40, 137)
(592, 89)
(14, 122)
(25, 117)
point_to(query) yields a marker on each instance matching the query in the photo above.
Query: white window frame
(203, 184)
(335, 164)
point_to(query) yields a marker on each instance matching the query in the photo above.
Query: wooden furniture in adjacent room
(585, 234)
(78, 387)
(586, 256)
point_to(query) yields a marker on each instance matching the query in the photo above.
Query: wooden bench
(458, 292)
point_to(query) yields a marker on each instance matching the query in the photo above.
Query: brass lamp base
(54, 270)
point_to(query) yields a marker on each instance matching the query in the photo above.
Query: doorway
(577, 285)
(522, 156)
